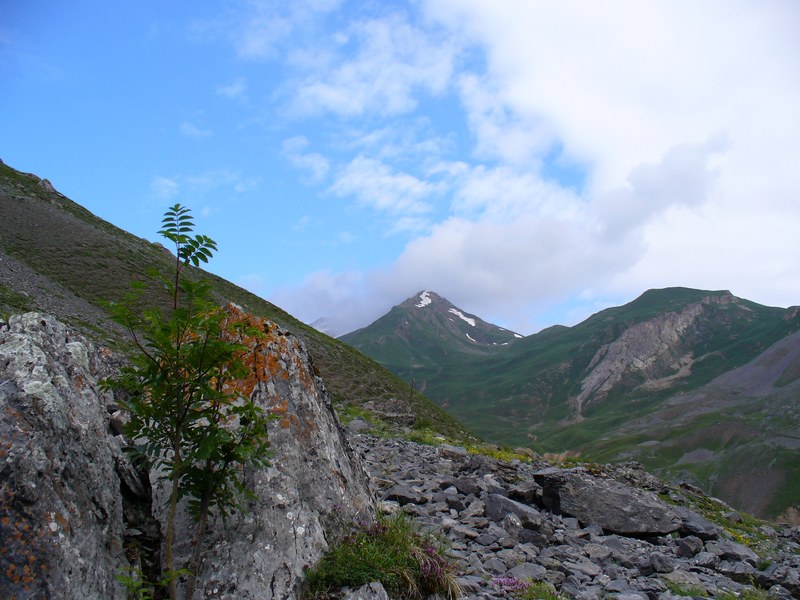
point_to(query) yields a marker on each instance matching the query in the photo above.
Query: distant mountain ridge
(600, 386)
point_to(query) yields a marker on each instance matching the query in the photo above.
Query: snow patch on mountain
(471, 339)
(458, 313)
(424, 300)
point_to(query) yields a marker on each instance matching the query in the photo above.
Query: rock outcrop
(61, 509)
(313, 475)
(66, 485)
(649, 350)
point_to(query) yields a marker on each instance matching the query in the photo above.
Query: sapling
(188, 412)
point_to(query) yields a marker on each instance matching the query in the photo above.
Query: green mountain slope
(584, 387)
(57, 257)
(423, 333)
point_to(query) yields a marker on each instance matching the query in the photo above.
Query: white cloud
(235, 91)
(193, 131)
(164, 188)
(377, 186)
(683, 117)
(313, 163)
(393, 61)
(518, 243)
(346, 298)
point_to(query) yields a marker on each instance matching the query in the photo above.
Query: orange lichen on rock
(263, 351)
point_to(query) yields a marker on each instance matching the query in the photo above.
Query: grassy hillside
(57, 257)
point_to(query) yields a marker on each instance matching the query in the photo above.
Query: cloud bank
(543, 153)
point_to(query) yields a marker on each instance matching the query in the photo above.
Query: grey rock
(689, 546)
(706, 559)
(455, 453)
(694, 524)
(497, 507)
(527, 492)
(314, 480)
(615, 507)
(527, 571)
(732, 551)
(61, 510)
(404, 495)
(465, 485)
(358, 426)
(662, 563)
(617, 586)
(476, 508)
(583, 567)
(495, 565)
(470, 583)
(369, 591)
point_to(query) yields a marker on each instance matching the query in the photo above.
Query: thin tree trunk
(200, 533)
(169, 564)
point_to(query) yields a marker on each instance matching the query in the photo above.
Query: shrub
(409, 563)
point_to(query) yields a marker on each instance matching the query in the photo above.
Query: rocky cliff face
(71, 513)
(653, 352)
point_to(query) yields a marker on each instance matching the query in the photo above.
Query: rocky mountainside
(75, 512)
(424, 332)
(604, 388)
(57, 257)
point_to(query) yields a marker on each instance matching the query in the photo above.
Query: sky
(533, 162)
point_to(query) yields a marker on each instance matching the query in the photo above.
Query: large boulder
(61, 510)
(314, 480)
(612, 505)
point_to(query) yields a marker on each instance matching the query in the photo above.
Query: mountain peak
(426, 330)
(425, 298)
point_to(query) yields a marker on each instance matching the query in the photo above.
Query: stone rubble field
(592, 532)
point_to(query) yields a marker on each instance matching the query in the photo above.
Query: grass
(408, 562)
(526, 589)
(684, 589)
(12, 301)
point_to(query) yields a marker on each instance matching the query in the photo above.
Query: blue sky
(532, 162)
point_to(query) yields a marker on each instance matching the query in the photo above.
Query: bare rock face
(314, 479)
(61, 510)
(651, 349)
(66, 486)
(612, 505)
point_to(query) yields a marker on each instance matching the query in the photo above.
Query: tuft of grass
(526, 589)
(683, 589)
(746, 593)
(408, 562)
